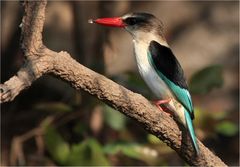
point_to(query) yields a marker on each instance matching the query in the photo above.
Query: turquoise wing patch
(181, 94)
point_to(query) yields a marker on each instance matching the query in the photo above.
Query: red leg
(165, 109)
(159, 102)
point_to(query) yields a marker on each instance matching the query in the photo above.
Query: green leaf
(128, 149)
(56, 145)
(159, 145)
(53, 107)
(227, 128)
(139, 152)
(153, 139)
(80, 128)
(114, 119)
(131, 151)
(206, 79)
(87, 153)
(218, 115)
(112, 148)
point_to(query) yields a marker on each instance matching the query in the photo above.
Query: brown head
(134, 23)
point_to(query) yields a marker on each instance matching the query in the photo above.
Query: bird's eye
(131, 21)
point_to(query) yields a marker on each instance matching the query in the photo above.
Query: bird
(158, 65)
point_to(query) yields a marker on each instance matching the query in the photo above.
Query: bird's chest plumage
(148, 73)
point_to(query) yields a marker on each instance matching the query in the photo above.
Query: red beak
(112, 22)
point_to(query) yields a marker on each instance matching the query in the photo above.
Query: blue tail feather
(191, 130)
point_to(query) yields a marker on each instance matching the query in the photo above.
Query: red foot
(163, 108)
(159, 102)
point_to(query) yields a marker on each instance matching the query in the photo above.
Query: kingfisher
(158, 66)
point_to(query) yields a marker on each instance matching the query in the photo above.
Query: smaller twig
(40, 144)
(17, 154)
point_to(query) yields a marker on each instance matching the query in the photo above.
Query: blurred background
(52, 124)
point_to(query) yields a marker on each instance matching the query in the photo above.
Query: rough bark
(41, 60)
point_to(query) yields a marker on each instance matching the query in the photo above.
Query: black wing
(165, 61)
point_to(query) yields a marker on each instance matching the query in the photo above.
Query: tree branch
(41, 60)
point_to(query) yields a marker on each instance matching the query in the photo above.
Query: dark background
(52, 124)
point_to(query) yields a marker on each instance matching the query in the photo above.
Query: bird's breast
(148, 73)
